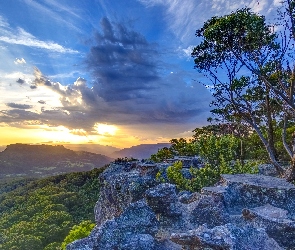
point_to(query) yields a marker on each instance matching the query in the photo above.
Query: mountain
(143, 151)
(45, 160)
(92, 148)
(2, 148)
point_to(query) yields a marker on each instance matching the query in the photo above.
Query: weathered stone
(226, 237)
(208, 210)
(139, 242)
(120, 188)
(267, 169)
(134, 211)
(137, 223)
(184, 197)
(276, 223)
(162, 199)
(250, 190)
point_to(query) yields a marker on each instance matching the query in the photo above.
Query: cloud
(122, 62)
(183, 17)
(131, 84)
(20, 81)
(54, 12)
(22, 37)
(18, 106)
(20, 61)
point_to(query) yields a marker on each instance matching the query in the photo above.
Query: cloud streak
(183, 17)
(22, 37)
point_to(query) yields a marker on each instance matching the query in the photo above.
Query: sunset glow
(104, 72)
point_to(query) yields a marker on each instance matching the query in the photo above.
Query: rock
(137, 223)
(275, 221)
(267, 169)
(162, 199)
(250, 190)
(227, 237)
(242, 212)
(184, 197)
(140, 242)
(120, 188)
(208, 210)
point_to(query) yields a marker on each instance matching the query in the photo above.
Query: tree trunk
(270, 130)
(290, 173)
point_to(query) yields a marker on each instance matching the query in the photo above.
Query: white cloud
(20, 61)
(188, 51)
(185, 16)
(22, 37)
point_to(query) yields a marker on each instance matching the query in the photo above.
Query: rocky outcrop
(242, 212)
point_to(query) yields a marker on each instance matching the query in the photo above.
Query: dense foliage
(220, 155)
(39, 214)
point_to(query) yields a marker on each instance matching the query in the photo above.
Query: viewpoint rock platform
(241, 212)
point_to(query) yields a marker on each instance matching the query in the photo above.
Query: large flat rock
(249, 191)
(261, 181)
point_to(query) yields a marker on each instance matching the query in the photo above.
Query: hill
(142, 151)
(45, 160)
(93, 148)
(38, 213)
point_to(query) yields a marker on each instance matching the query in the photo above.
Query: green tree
(259, 83)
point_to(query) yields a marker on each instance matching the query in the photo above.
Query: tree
(258, 87)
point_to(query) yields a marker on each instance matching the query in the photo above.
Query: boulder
(208, 210)
(251, 190)
(275, 221)
(225, 237)
(137, 224)
(162, 200)
(120, 188)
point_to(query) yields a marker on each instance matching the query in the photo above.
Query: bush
(78, 232)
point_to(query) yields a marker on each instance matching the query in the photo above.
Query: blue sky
(108, 72)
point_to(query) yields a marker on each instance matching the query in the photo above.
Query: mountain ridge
(45, 160)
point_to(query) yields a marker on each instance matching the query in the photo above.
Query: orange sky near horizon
(108, 135)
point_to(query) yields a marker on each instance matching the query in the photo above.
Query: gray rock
(208, 210)
(137, 223)
(276, 223)
(162, 199)
(250, 190)
(120, 188)
(227, 237)
(267, 169)
(134, 211)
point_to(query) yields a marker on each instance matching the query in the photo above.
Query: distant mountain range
(142, 151)
(45, 160)
(93, 148)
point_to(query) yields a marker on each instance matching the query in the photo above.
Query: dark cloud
(122, 62)
(18, 106)
(42, 102)
(20, 81)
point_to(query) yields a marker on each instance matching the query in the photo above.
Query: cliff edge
(241, 212)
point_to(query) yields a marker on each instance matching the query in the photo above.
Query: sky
(109, 72)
